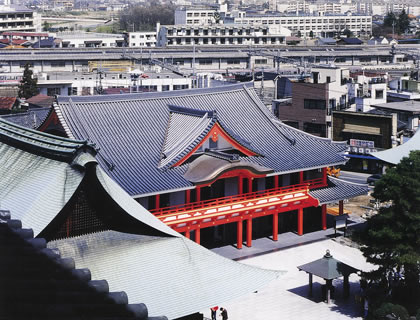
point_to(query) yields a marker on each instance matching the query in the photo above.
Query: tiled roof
(41, 100)
(31, 119)
(36, 276)
(338, 189)
(130, 130)
(7, 103)
(139, 254)
(173, 276)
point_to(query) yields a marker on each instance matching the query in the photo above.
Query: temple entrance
(214, 191)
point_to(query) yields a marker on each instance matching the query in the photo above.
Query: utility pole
(193, 65)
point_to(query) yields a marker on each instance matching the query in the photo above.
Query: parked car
(373, 178)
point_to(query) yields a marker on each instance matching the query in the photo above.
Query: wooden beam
(249, 232)
(300, 222)
(275, 226)
(324, 216)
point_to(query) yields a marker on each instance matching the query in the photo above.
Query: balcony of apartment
(241, 207)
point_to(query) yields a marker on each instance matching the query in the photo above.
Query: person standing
(223, 313)
(213, 312)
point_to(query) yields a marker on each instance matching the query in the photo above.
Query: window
(72, 91)
(379, 94)
(233, 61)
(53, 91)
(314, 104)
(205, 62)
(260, 61)
(316, 128)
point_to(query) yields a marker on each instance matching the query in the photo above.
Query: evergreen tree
(28, 85)
(348, 33)
(403, 22)
(390, 19)
(391, 240)
(311, 34)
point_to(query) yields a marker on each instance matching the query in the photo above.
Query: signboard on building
(362, 143)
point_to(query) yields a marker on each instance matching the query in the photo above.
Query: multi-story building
(90, 39)
(19, 18)
(314, 100)
(320, 26)
(89, 83)
(140, 39)
(195, 15)
(181, 35)
(366, 91)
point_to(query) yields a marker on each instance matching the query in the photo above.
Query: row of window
(216, 32)
(269, 40)
(304, 21)
(200, 14)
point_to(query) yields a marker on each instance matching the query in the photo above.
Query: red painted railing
(315, 183)
(237, 198)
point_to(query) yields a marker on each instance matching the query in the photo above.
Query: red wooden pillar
(240, 185)
(324, 176)
(340, 207)
(198, 194)
(187, 234)
(249, 232)
(250, 185)
(324, 216)
(157, 201)
(300, 222)
(187, 196)
(301, 177)
(275, 226)
(197, 235)
(239, 234)
(276, 181)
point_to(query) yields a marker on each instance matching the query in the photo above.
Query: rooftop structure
(54, 186)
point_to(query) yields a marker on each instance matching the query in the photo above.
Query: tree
(311, 34)
(143, 17)
(46, 26)
(299, 34)
(391, 239)
(348, 33)
(403, 22)
(28, 85)
(390, 19)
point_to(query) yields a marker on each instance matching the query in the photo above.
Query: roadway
(354, 177)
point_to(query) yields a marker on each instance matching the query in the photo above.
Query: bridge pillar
(249, 232)
(239, 239)
(300, 222)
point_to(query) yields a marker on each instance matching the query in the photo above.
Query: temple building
(211, 163)
(54, 189)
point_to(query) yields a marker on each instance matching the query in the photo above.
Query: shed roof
(131, 131)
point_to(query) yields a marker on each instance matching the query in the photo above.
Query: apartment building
(179, 35)
(320, 26)
(19, 18)
(140, 39)
(314, 100)
(195, 15)
(90, 39)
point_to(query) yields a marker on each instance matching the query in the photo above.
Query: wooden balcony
(203, 214)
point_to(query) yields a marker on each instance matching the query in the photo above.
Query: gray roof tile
(130, 130)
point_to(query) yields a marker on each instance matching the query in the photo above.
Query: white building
(178, 35)
(19, 18)
(321, 26)
(195, 15)
(367, 91)
(141, 39)
(88, 83)
(80, 39)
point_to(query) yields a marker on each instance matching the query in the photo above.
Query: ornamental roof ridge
(47, 145)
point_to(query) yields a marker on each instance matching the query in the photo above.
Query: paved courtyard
(287, 297)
